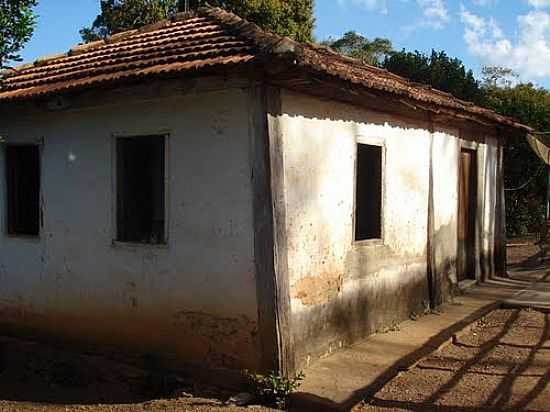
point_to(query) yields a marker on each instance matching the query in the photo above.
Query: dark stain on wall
(323, 327)
(215, 328)
(332, 319)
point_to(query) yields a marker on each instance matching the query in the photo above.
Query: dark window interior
(368, 193)
(140, 189)
(23, 184)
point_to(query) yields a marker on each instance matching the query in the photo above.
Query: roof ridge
(267, 42)
(275, 44)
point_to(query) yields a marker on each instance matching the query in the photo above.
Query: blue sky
(512, 33)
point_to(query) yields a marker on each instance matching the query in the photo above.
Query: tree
(121, 15)
(496, 76)
(358, 46)
(16, 27)
(437, 70)
(293, 18)
(523, 169)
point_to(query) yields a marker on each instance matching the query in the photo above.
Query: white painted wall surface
(196, 297)
(341, 290)
(488, 176)
(445, 163)
(334, 280)
(320, 140)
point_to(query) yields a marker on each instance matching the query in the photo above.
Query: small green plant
(273, 388)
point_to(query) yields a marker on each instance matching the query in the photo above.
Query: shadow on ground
(513, 362)
(48, 374)
(34, 372)
(506, 366)
(503, 365)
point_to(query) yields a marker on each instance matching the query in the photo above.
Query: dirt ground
(39, 377)
(523, 252)
(503, 364)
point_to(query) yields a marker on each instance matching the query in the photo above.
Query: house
(225, 198)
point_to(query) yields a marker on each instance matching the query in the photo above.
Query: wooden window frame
(379, 143)
(131, 245)
(8, 233)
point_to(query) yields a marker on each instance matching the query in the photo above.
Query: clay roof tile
(211, 37)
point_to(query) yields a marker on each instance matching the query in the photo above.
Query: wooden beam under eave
(331, 87)
(342, 91)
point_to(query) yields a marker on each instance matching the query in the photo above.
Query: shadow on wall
(344, 112)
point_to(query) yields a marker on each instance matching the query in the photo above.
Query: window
(140, 189)
(368, 193)
(23, 189)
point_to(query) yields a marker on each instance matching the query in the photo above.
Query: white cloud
(539, 4)
(528, 55)
(484, 3)
(373, 5)
(434, 14)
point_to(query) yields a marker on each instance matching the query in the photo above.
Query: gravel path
(503, 364)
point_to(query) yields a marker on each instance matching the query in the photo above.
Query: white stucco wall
(334, 280)
(445, 163)
(341, 290)
(194, 298)
(487, 172)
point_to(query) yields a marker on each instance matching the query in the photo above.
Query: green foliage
(437, 70)
(293, 18)
(121, 15)
(496, 76)
(274, 389)
(358, 46)
(16, 27)
(529, 105)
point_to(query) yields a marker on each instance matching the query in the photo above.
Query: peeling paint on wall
(215, 328)
(318, 290)
(342, 290)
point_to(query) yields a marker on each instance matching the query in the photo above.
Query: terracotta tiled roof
(171, 46)
(210, 38)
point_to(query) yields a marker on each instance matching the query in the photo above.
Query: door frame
(477, 149)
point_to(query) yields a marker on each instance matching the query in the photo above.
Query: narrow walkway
(536, 295)
(339, 382)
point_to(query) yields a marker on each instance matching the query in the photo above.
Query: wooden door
(467, 211)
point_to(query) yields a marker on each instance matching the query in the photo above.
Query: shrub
(274, 389)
